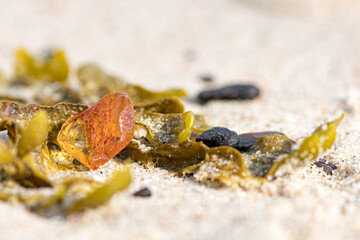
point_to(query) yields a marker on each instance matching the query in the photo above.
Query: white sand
(305, 57)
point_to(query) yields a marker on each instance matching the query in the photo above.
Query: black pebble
(219, 136)
(248, 139)
(207, 77)
(239, 92)
(327, 166)
(144, 192)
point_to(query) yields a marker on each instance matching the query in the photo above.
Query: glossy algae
(167, 140)
(262, 155)
(21, 170)
(166, 128)
(52, 68)
(34, 134)
(119, 181)
(220, 164)
(164, 106)
(42, 78)
(226, 165)
(321, 140)
(18, 164)
(14, 116)
(165, 121)
(97, 83)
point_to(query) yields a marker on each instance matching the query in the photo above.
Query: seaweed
(97, 83)
(119, 181)
(166, 128)
(17, 162)
(52, 68)
(14, 117)
(321, 140)
(20, 170)
(226, 165)
(3, 80)
(32, 162)
(164, 106)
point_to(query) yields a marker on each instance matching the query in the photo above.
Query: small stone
(246, 140)
(97, 134)
(218, 136)
(144, 192)
(232, 92)
(327, 166)
(206, 77)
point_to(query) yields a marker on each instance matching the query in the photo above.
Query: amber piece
(97, 134)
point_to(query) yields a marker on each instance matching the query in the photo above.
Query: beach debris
(232, 92)
(261, 156)
(43, 142)
(166, 128)
(96, 83)
(207, 77)
(97, 134)
(99, 195)
(246, 140)
(327, 166)
(164, 106)
(24, 176)
(144, 192)
(53, 68)
(321, 140)
(219, 136)
(14, 117)
(16, 161)
(226, 165)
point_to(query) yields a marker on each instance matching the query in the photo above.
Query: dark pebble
(207, 77)
(239, 92)
(246, 140)
(144, 192)
(327, 166)
(218, 136)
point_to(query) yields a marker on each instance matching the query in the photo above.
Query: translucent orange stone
(97, 134)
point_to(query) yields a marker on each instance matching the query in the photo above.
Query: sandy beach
(303, 55)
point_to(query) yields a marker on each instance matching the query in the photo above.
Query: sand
(303, 55)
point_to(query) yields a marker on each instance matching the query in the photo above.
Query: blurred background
(169, 43)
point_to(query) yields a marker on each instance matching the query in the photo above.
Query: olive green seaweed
(226, 165)
(34, 134)
(321, 140)
(164, 106)
(95, 82)
(166, 128)
(32, 165)
(53, 67)
(119, 181)
(17, 162)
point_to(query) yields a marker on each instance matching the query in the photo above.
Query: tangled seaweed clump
(31, 156)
